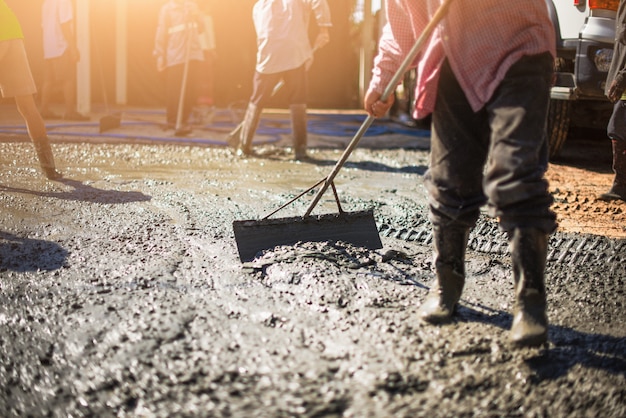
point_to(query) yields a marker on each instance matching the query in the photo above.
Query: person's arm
(322, 17)
(387, 60)
(404, 20)
(323, 38)
(618, 86)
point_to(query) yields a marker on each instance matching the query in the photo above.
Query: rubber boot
(529, 248)
(46, 158)
(299, 130)
(449, 259)
(248, 128)
(618, 190)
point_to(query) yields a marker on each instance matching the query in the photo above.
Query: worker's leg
(48, 89)
(263, 84)
(37, 132)
(517, 190)
(459, 144)
(616, 131)
(296, 84)
(16, 81)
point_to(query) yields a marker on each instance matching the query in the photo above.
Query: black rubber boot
(449, 259)
(46, 158)
(529, 249)
(618, 190)
(248, 128)
(299, 130)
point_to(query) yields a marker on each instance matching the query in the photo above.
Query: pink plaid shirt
(480, 38)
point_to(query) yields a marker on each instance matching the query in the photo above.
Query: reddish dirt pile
(577, 177)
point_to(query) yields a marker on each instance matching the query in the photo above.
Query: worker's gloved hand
(374, 106)
(322, 39)
(617, 88)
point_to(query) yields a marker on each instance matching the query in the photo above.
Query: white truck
(585, 32)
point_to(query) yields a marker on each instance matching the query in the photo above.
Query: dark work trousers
(295, 84)
(616, 128)
(173, 87)
(497, 155)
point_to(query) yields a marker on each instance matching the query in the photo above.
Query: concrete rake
(357, 228)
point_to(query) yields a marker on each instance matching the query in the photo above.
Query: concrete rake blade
(356, 228)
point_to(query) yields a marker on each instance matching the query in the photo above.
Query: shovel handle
(417, 47)
(190, 30)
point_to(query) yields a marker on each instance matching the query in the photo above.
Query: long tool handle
(439, 14)
(183, 87)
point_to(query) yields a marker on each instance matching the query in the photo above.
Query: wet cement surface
(121, 294)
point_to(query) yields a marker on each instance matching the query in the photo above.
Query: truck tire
(559, 119)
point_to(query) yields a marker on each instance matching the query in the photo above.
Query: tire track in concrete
(487, 238)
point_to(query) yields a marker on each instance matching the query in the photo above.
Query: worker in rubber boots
(16, 81)
(615, 91)
(485, 77)
(284, 54)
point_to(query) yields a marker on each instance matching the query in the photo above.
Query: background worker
(615, 88)
(284, 53)
(488, 143)
(16, 81)
(177, 42)
(60, 58)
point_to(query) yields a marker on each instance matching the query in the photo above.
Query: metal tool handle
(439, 14)
(190, 30)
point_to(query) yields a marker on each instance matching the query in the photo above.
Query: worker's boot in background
(449, 258)
(618, 190)
(299, 130)
(248, 128)
(529, 249)
(46, 158)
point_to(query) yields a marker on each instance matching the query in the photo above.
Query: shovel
(357, 228)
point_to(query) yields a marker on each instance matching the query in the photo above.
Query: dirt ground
(121, 293)
(577, 176)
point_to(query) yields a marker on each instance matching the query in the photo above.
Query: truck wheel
(559, 118)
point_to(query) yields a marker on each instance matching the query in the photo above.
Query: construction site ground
(122, 294)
